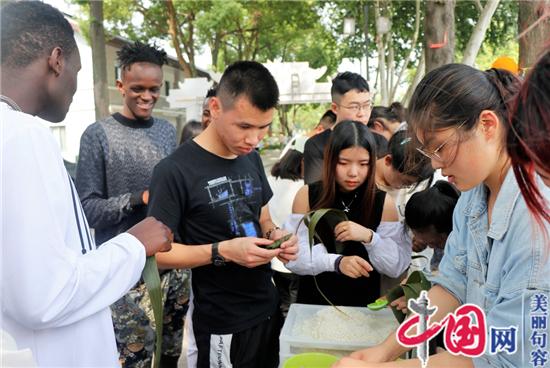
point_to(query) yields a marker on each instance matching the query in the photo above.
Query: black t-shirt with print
(205, 198)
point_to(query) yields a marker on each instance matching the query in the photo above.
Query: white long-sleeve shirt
(56, 285)
(389, 251)
(280, 207)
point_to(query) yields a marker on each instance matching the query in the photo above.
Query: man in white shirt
(57, 285)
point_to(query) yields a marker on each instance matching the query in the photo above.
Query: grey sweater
(115, 165)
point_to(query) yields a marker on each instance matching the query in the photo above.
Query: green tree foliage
(503, 23)
(305, 30)
(259, 30)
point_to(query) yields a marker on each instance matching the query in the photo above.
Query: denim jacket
(499, 267)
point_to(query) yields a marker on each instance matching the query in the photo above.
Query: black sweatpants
(255, 347)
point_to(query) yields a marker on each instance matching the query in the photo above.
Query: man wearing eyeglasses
(351, 100)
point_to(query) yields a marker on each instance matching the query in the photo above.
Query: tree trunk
(534, 30)
(381, 58)
(215, 50)
(420, 71)
(376, 79)
(173, 30)
(409, 55)
(99, 60)
(366, 33)
(283, 118)
(439, 33)
(295, 109)
(478, 33)
(391, 67)
(190, 44)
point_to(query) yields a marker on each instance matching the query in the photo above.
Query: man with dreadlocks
(116, 161)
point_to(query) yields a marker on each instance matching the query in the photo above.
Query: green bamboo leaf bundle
(152, 282)
(416, 282)
(311, 219)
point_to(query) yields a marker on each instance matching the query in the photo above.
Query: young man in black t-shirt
(212, 191)
(351, 100)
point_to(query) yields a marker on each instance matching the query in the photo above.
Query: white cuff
(374, 242)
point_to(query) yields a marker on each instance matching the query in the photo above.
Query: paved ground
(269, 157)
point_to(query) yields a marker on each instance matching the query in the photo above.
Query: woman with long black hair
(373, 240)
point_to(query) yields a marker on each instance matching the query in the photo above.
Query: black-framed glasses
(434, 155)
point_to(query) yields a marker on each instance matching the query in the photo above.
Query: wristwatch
(217, 258)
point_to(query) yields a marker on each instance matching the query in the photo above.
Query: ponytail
(507, 84)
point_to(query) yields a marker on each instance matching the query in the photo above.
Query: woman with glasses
(496, 256)
(373, 240)
(529, 138)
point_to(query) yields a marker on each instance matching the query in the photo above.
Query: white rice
(356, 326)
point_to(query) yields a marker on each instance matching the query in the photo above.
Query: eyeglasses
(435, 155)
(358, 107)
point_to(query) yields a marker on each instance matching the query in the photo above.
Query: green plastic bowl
(310, 360)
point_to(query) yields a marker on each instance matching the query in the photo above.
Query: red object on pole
(441, 44)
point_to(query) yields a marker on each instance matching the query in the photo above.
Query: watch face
(219, 262)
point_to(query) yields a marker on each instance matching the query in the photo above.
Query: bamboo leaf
(416, 282)
(152, 282)
(311, 219)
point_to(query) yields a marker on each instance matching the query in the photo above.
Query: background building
(82, 110)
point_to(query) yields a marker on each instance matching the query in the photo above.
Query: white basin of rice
(328, 324)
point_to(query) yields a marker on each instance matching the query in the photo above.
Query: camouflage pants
(134, 326)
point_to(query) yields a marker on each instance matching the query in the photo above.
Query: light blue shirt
(499, 267)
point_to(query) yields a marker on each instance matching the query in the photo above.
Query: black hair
(31, 30)
(348, 134)
(529, 136)
(381, 145)
(328, 119)
(211, 92)
(383, 112)
(345, 82)
(252, 80)
(139, 52)
(408, 161)
(454, 94)
(289, 166)
(399, 110)
(190, 130)
(433, 206)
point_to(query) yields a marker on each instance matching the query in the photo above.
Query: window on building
(117, 73)
(166, 88)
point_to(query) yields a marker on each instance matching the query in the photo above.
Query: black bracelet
(268, 234)
(337, 265)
